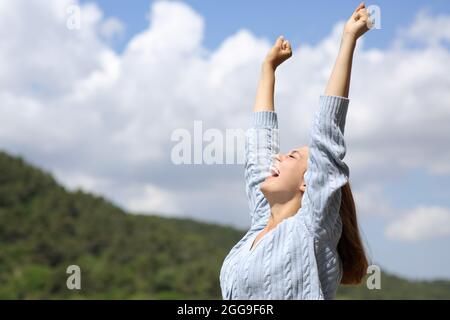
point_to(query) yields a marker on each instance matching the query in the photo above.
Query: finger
(360, 6)
(357, 12)
(364, 12)
(287, 44)
(361, 15)
(364, 23)
(279, 41)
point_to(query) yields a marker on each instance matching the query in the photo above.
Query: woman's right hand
(280, 52)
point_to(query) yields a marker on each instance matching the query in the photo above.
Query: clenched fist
(280, 52)
(359, 23)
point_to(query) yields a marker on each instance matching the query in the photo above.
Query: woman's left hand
(359, 23)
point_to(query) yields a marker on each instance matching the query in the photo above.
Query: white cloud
(136, 197)
(148, 198)
(83, 181)
(370, 201)
(40, 56)
(429, 29)
(421, 223)
(112, 28)
(71, 104)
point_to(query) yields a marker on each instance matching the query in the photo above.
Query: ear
(303, 187)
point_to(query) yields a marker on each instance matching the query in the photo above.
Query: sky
(97, 104)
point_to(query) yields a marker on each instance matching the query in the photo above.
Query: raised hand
(280, 52)
(359, 23)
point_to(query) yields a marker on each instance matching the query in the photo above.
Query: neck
(281, 211)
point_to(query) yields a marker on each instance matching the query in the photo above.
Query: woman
(304, 239)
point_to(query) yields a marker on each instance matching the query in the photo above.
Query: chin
(263, 187)
(266, 187)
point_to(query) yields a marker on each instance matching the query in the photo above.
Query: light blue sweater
(297, 259)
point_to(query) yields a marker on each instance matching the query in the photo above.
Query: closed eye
(291, 154)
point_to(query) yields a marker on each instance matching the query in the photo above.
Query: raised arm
(262, 141)
(356, 26)
(326, 171)
(280, 52)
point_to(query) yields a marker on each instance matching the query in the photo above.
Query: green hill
(44, 228)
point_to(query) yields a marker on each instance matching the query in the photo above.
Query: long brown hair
(350, 246)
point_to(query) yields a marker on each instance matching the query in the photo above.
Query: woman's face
(288, 177)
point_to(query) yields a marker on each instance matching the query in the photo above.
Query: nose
(280, 157)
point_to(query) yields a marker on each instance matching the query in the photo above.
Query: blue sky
(310, 22)
(101, 118)
(300, 21)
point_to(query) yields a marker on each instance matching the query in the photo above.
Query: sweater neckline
(252, 240)
(268, 234)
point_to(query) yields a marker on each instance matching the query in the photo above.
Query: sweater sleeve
(261, 144)
(326, 172)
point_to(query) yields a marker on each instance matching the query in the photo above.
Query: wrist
(348, 39)
(267, 66)
(348, 42)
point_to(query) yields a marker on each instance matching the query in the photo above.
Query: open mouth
(274, 171)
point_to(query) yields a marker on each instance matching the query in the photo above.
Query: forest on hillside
(44, 228)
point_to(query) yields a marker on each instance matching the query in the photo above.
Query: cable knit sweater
(297, 259)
